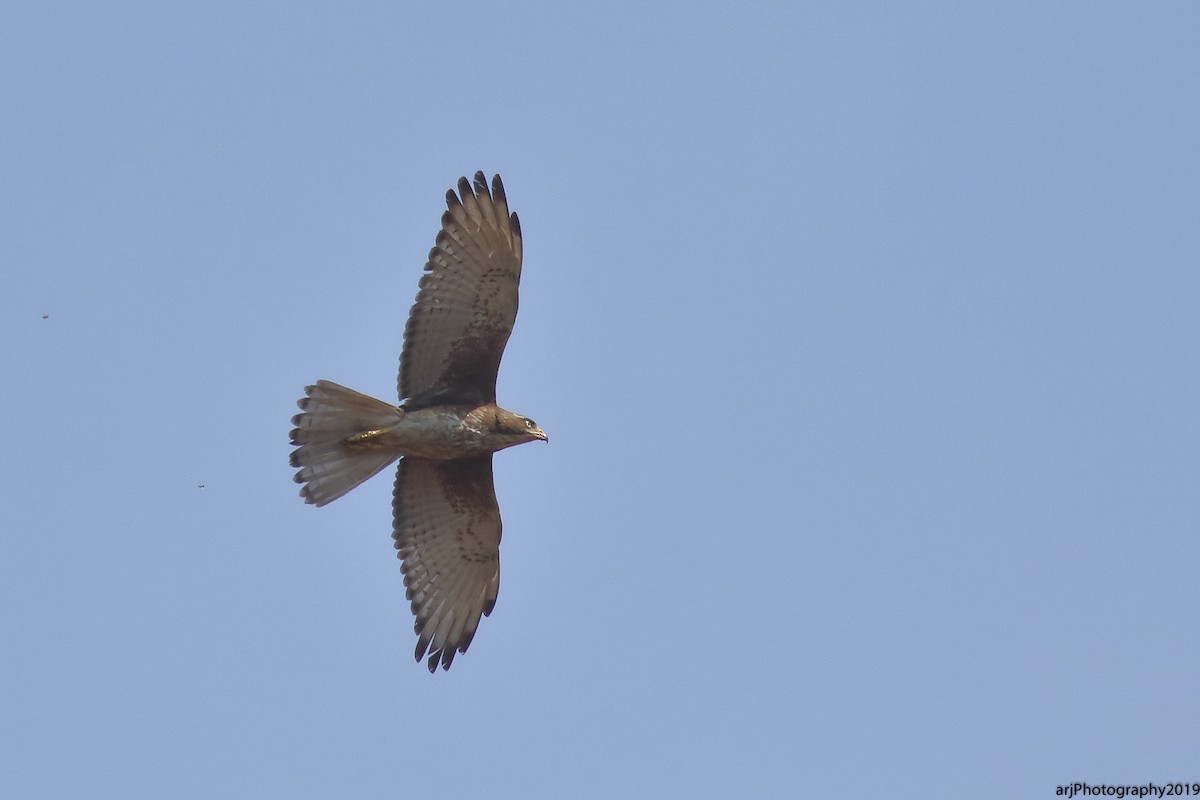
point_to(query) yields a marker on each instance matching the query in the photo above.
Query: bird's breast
(441, 433)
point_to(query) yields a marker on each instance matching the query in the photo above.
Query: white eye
(529, 423)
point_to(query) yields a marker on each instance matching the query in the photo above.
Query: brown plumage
(446, 521)
(467, 304)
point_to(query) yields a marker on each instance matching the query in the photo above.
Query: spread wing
(467, 302)
(447, 532)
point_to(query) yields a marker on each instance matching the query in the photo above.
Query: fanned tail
(328, 467)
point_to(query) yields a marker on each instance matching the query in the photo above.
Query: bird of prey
(446, 522)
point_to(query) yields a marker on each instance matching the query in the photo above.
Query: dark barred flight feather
(467, 303)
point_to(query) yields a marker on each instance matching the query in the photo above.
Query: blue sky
(865, 336)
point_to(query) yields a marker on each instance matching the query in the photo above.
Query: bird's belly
(435, 433)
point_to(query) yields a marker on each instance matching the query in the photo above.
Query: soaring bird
(446, 522)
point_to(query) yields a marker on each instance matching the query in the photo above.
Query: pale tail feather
(329, 468)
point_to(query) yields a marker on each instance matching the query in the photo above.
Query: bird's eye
(529, 424)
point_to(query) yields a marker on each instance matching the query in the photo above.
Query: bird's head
(516, 429)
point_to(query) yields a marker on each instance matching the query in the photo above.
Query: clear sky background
(865, 335)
